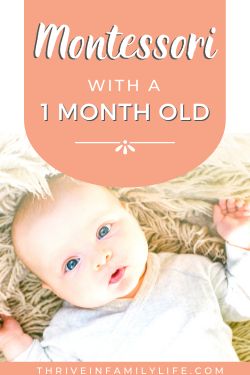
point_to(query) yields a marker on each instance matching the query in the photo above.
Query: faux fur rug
(176, 217)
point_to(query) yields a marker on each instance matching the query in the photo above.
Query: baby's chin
(90, 303)
(102, 302)
(93, 305)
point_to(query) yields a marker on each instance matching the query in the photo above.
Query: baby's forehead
(67, 193)
(80, 193)
(63, 186)
(70, 203)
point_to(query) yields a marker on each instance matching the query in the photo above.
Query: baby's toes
(231, 205)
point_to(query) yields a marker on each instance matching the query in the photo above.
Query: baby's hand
(13, 341)
(232, 220)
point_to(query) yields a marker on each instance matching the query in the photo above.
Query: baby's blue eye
(103, 231)
(71, 264)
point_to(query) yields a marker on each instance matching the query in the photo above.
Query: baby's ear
(124, 204)
(45, 286)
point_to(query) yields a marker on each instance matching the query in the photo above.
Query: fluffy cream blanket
(176, 216)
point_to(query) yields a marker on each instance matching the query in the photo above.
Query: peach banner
(123, 93)
(121, 368)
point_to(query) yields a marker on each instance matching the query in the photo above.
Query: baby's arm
(17, 345)
(232, 220)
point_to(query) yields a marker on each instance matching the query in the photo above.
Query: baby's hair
(35, 200)
(31, 203)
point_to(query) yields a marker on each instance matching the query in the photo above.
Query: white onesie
(177, 315)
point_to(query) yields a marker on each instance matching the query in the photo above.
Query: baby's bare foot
(232, 221)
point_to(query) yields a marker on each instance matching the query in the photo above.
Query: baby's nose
(103, 259)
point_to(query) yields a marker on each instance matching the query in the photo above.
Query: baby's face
(83, 244)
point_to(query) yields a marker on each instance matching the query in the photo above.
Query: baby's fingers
(227, 205)
(223, 205)
(2, 319)
(241, 214)
(231, 205)
(8, 322)
(217, 214)
(247, 206)
(240, 203)
(243, 206)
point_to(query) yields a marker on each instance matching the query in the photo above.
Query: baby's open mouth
(117, 275)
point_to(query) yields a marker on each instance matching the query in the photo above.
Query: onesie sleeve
(34, 353)
(37, 353)
(61, 339)
(232, 284)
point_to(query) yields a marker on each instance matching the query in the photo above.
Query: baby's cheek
(129, 227)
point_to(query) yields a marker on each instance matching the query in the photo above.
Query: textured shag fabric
(176, 217)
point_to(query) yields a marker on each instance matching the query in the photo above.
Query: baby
(123, 303)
